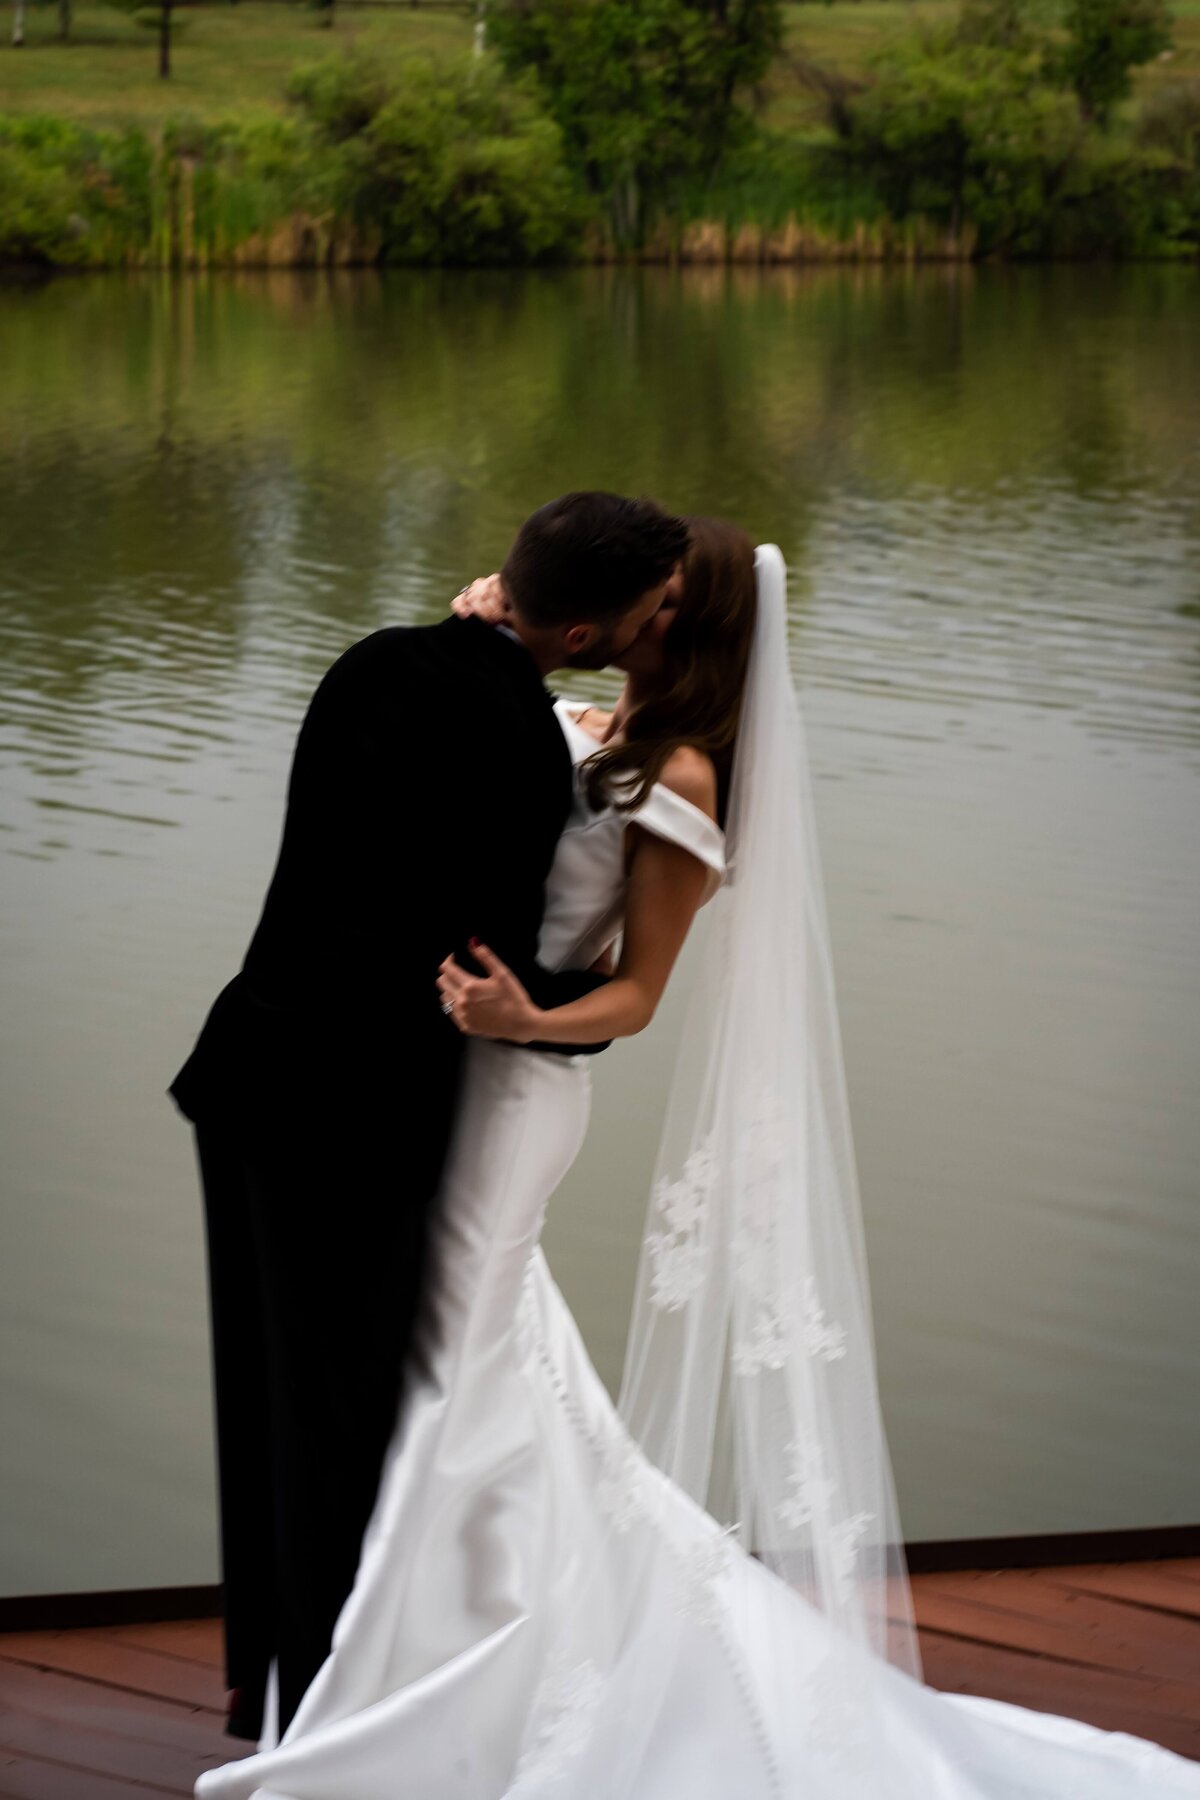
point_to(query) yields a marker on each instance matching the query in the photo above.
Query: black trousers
(315, 1254)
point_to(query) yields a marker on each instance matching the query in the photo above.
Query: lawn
(228, 61)
(233, 59)
(838, 37)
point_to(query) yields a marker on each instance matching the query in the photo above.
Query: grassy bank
(261, 196)
(234, 60)
(229, 61)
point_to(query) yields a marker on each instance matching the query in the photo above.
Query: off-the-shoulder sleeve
(668, 815)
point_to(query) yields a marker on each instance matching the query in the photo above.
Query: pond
(986, 483)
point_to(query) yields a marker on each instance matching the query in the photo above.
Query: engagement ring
(447, 1006)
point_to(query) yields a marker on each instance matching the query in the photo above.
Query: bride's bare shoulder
(692, 775)
(592, 719)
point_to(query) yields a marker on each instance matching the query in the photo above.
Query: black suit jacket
(428, 789)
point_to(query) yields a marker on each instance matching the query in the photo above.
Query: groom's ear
(578, 637)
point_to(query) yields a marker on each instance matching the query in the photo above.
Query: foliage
(962, 130)
(776, 177)
(40, 218)
(446, 161)
(420, 161)
(70, 196)
(1171, 121)
(1168, 129)
(229, 185)
(1106, 39)
(977, 124)
(649, 94)
(82, 199)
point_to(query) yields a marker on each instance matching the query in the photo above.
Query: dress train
(539, 1612)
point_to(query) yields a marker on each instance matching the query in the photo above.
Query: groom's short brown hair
(589, 557)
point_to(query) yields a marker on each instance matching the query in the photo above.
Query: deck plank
(139, 1710)
(95, 1654)
(29, 1778)
(1062, 1622)
(91, 1706)
(1185, 1568)
(1086, 1694)
(1142, 1584)
(192, 1640)
(55, 1724)
(167, 1768)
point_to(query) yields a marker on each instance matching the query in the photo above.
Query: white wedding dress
(537, 1610)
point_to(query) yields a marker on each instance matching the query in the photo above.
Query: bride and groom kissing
(430, 786)
(452, 1567)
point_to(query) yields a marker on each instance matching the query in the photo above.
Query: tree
(159, 19)
(964, 132)
(157, 16)
(648, 94)
(1106, 40)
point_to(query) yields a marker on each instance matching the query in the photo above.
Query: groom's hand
(494, 1005)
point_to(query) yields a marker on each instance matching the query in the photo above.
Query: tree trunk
(64, 19)
(164, 39)
(18, 31)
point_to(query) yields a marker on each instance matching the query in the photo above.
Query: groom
(429, 785)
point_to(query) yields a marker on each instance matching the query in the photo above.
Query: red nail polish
(474, 943)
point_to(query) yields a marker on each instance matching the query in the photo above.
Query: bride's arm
(666, 887)
(484, 598)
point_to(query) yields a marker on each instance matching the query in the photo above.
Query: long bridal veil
(750, 1365)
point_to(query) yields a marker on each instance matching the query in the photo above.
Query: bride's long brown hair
(699, 696)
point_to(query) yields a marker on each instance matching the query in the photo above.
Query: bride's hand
(483, 599)
(490, 1006)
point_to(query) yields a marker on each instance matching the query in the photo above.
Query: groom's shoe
(245, 1717)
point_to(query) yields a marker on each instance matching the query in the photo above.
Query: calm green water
(987, 487)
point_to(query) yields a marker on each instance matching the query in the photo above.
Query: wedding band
(447, 1006)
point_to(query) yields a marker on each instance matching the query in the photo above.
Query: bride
(701, 1591)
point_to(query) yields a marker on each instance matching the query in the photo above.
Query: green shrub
(1168, 130)
(971, 132)
(443, 159)
(69, 196)
(42, 217)
(963, 132)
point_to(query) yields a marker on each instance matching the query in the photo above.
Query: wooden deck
(134, 1710)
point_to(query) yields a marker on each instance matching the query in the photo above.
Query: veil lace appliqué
(561, 1724)
(677, 1246)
